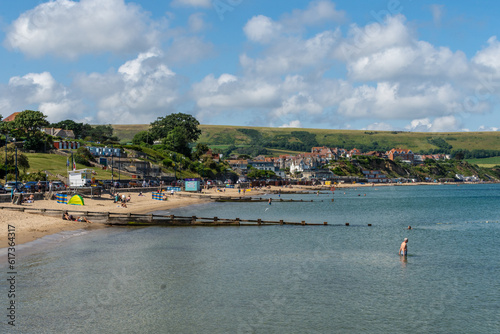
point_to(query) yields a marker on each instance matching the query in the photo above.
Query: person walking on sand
(403, 249)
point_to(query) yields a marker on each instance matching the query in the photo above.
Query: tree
(143, 137)
(177, 141)
(164, 125)
(22, 160)
(30, 122)
(199, 150)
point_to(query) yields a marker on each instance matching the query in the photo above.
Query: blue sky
(376, 65)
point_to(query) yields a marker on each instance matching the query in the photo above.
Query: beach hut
(76, 200)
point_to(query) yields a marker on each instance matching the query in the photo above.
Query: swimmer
(409, 227)
(403, 249)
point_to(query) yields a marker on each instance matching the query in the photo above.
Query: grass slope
(416, 141)
(56, 164)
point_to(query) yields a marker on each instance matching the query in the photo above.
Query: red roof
(11, 117)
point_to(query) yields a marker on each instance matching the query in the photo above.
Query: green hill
(292, 139)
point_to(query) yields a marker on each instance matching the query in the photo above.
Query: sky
(394, 65)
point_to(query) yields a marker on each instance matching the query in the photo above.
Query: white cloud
(69, 29)
(391, 101)
(437, 13)
(379, 126)
(40, 91)
(292, 124)
(440, 124)
(301, 103)
(489, 57)
(318, 12)
(141, 90)
(196, 22)
(261, 29)
(192, 3)
(488, 128)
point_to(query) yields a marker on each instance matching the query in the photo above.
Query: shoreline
(30, 227)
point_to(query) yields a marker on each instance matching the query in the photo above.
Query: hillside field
(416, 141)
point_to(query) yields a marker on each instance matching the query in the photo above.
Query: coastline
(30, 227)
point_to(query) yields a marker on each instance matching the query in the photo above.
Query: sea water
(279, 279)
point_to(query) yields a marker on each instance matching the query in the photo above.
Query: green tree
(177, 141)
(143, 137)
(199, 150)
(22, 160)
(164, 125)
(30, 122)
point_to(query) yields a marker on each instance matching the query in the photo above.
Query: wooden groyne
(258, 199)
(132, 219)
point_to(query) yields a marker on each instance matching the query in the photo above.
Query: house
(375, 176)
(404, 154)
(12, 117)
(56, 132)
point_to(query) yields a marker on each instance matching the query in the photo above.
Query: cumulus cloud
(69, 29)
(141, 90)
(192, 3)
(440, 124)
(261, 29)
(40, 91)
(292, 124)
(390, 101)
(379, 126)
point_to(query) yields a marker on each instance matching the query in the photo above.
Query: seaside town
(230, 166)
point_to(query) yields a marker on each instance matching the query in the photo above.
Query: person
(409, 227)
(83, 219)
(270, 200)
(68, 217)
(141, 194)
(124, 205)
(164, 197)
(129, 198)
(403, 249)
(172, 192)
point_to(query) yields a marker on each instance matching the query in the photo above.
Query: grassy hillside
(486, 162)
(416, 141)
(56, 164)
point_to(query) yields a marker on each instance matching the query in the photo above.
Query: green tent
(76, 200)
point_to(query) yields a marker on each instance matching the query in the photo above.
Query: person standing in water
(403, 249)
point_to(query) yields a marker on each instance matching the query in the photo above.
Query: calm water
(279, 279)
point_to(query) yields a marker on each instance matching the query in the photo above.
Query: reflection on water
(281, 279)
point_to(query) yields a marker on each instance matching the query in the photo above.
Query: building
(66, 145)
(56, 132)
(104, 151)
(11, 117)
(375, 176)
(404, 154)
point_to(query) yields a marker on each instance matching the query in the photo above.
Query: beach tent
(76, 200)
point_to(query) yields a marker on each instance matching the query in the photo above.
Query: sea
(330, 278)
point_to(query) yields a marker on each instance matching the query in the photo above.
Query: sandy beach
(29, 227)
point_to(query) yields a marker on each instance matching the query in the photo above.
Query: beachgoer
(124, 205)
(172, 192)
(129, 198)
(409, 227)
(403, 249)
(140, 194)
(68, 217)
(270, 200)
